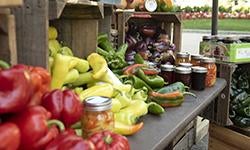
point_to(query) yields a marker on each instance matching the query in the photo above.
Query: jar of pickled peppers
(196, 59)
(209, 63)
(97, 115)
(181, 58)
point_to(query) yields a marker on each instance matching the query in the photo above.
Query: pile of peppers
(240, 98)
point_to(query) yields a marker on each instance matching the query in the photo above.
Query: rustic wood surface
(159, 131)
(10, 3)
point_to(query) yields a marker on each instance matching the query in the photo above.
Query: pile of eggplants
(150, 41)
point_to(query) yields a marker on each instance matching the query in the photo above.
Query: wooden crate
(76, 21)
(221, 138)
(171, 22)
(8, 50)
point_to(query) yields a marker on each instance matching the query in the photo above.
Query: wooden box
(171, 22)
(75, 20)
(221, 138)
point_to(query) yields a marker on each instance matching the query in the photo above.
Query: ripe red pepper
(107, 140)
(15, 90)
(64, 105)
(130, 70)
(35, 131)
(9, 136)
(69, 141)
(41, 80)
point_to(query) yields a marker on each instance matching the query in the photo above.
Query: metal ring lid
(97, 103)
(182, 54)
(208, 60)
(187, 65)
(183, 70)
(198, 69)
(196, 56)
(167, 67)
(206, 37)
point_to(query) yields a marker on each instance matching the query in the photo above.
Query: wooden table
(159, 131)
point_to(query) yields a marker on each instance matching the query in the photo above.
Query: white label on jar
(242, 53)
(150, 5)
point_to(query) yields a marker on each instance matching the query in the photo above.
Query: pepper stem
(58, 123)
(108, 139)
(189, 93)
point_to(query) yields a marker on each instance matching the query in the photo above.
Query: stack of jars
(194, 71)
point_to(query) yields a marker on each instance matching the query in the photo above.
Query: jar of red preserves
(167, 73)
(196, 59)
(183, 75)
(209, 63)
(97, 115)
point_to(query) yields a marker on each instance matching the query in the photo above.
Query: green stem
(77, 125)
(108, 139)
(189, 93)
(58, 123)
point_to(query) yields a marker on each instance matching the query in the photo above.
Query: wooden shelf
(81, 9)
(10, 3)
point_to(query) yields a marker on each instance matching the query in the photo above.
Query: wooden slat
(8, 50)
(32, 36)
(10, 3)
(229, 137)
(215, 144)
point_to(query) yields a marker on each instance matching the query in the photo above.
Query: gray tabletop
(159, 131)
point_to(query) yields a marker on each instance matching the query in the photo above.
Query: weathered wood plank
(32, 36)
(8, 50)
(10, 3)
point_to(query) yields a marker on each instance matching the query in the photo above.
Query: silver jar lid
(198, 69)
(196, 56)
(166, 67)
(208, 60)
(97, 103)
(182, 55)
(183, 70)
(206, 37)
(186, 65)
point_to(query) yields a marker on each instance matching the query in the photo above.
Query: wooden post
(32, 36)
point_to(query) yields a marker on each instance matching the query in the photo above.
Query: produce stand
(158, 132)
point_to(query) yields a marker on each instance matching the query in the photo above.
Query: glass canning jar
(196, 59)
(181, 58)
(183, 75)
(97, 115)
(198, 78)
(167, 73)
(209, 63)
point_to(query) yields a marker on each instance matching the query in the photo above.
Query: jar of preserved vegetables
(198, 77)
(181, 58)
(209, 63)
(183, 75)
(97, 115)
(196, 59)
(167, 73)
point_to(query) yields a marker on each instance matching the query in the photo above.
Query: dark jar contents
(167, 73)
(97, 115)
(183, 75)
(182, 58)
(198, 78)
(196, 60)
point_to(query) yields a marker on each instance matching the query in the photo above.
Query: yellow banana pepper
(125, 129)
(97, 90)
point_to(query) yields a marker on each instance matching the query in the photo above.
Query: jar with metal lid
(206, 38)
(181, 58)
(167, 73)
(209, 63)
(196, 59)
(183, 75)
(97, 115)
(198, 78)
(186, 65)
(231, 39)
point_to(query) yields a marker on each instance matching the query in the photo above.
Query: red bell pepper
(9, 136)
(107, 140)
(69, 141)
(35, 131)
(64, 105)
(15, 90)
(40, 78)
